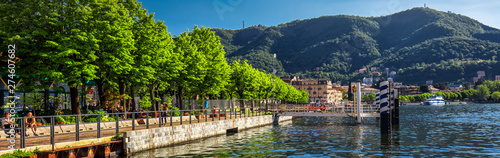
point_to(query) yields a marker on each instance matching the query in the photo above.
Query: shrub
(69, 119)
(117, 136)
(22, 153)
(36, 151)
(59, 119)
(175, 109)
(145, 103)
(93, 119)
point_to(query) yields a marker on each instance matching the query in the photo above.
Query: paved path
(68, 137)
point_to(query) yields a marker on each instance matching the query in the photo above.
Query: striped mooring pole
(385, 117)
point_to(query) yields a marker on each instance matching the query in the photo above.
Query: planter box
(59, 123)
(186, 114)
(34, 156)
(223, 115)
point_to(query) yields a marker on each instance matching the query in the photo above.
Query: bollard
(133, 121)
(358, 100)
(98, 126)
(52, 135)
(117, 124)
(23, 137)
(77, 127)
(147, 120)
(384, 108)
(395, 119)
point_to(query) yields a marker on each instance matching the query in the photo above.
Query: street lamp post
(273, 74)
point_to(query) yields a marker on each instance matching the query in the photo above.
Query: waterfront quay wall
(140, 140)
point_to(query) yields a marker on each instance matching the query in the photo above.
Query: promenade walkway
(70, 135)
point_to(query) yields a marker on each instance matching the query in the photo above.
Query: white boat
(435, 101)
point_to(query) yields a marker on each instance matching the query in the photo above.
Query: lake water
(424, 131)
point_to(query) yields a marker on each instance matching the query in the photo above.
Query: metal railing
(134, 120)
(328, 108)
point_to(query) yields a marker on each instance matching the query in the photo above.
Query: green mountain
(419, 44)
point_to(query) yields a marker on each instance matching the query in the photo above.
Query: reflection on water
(425, 131)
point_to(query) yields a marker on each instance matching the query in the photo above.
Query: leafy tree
(113, 30)
(202, 66)
(216, 71)
(495, 95)
(466, 85)
(479, 81)
(370, 96)
(34, 99)
(424, 88)
(482, 92)
(155, 67)
(61, 44)
(145, 103)
(440, 86)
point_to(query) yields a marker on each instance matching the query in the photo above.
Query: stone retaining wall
(139, 140)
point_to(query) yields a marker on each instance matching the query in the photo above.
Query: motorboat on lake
(435, 101)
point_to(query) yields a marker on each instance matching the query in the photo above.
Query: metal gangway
(357, 109)
(330, 110)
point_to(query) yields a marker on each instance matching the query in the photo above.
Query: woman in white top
(7, 123)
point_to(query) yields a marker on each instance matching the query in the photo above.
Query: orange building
(320, 90)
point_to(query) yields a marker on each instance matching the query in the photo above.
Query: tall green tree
(216, 70)
(424, 88)
(154, 58)
(112, 26)
(57, 37)
(191, 64)
(243, 78)
(482, 92)
(495, 95)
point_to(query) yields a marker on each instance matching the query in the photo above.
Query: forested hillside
(419, 44)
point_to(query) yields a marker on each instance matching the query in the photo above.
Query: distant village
(324, 91)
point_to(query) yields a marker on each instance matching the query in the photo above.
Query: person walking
(215, 111)
(164, 119)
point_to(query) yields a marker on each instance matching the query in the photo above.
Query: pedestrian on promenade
(166, 113)
(30, 122)
(7, 123)
(215, 111)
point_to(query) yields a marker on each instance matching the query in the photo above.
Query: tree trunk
(161, 96)
(242, 103)
(100, 90)
(75, 101)
(122, 89)
(179, 97)
(259, 103)
(133, 106)
(152, 96)
(46, 98)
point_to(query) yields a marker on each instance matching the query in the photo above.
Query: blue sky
(180, 15)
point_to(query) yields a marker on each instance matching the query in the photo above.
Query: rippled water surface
(425, 131)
